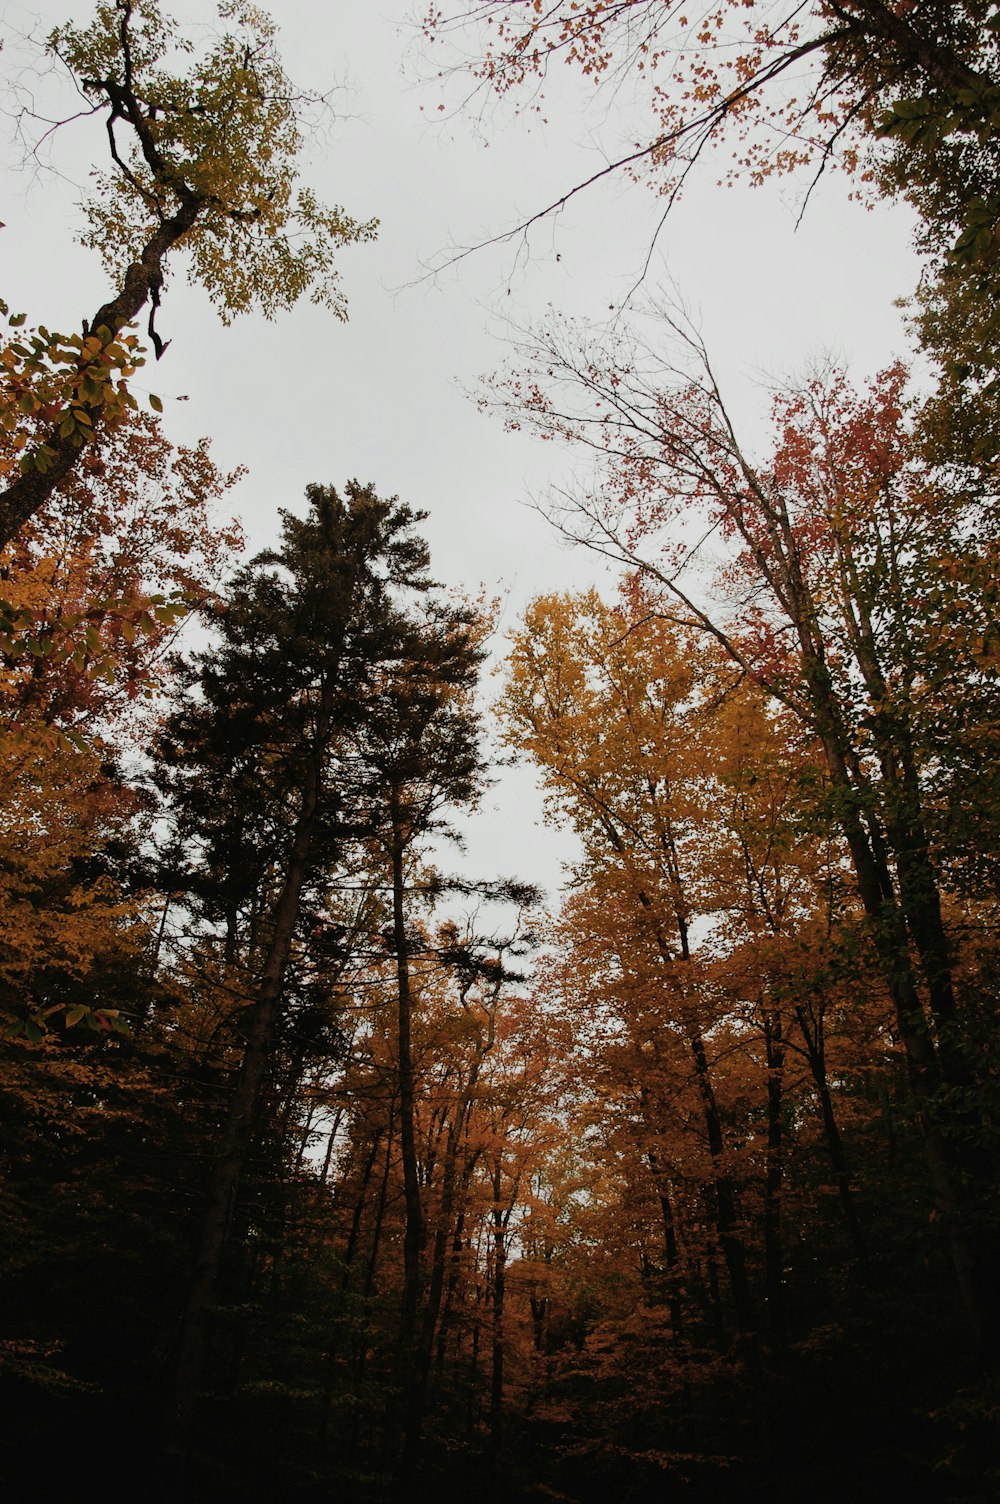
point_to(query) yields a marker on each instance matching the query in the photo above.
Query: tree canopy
(329, 1172)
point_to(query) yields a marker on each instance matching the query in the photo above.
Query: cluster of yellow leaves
(224, 132)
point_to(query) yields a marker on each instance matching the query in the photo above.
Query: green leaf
(155, 403)
(169, 614)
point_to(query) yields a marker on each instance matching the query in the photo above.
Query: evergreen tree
(256, 764)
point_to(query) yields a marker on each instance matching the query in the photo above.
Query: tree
(93, 591)
(903, 98)
(836, 545)
(253, 765)
(94, 587)
(202, 161)
(796, 87)
(733, 1048)
(609, 707)
(69, 907)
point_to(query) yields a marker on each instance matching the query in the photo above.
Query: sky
(389, 397)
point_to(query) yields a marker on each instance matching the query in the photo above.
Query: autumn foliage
(331, 1174)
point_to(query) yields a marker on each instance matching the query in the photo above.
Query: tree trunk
(345, 1279)
(413, 1238)
(669, 1244)
(726, 1216)
(454, 1270)
(33, 488)
(973, 1263)
(816, 1054)
(499, 1296)
(443, 1234)
(774, 1272)
(239, 1126)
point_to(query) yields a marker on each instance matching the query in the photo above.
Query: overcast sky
(384, 398)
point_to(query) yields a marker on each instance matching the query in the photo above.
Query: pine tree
(254, 764)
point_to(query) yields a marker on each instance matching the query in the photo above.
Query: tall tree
(202, 160)
(609, 708)
(253, 765)
(839, 543)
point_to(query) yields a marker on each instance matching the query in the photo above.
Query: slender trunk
(383, 1194)
(902, 813)
(454, 1271)
(816, 1054)
(715, 1299)
(774, 1262)
(161, 930)
(413, 1238)
(726, 1217)
(474, 1408)
(351, 1247)
(359, 1357)
(239, 1125)
(331, 1140)
(345, 1279)
(304, 1136)
(540, 1305)
(669, 1243)
(726, 1214)
(499, 1296)
(442, 1235)
(454, 1191)
(444, 1325)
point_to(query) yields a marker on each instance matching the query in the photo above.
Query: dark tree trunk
(413, 1237)
(31, 490)
(350, 1251)
(669, 1244)
(454, 1270)
(774, 1260)
(726, 1212)
(239, 1126)
(812, 1034)
(499, 1299)
(974, 1264)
